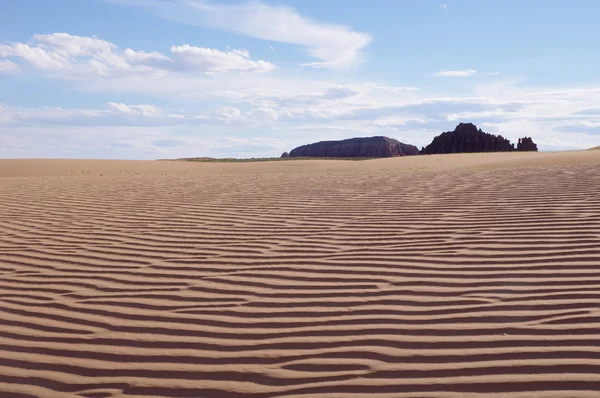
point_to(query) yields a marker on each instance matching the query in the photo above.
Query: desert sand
(472, 275)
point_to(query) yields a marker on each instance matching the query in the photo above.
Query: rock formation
(467, 138)
(369, 147)
(526, 144)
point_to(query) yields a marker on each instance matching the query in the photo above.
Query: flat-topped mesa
(467, 138)
(367, 147)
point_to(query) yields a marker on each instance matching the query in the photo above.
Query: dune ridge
(447, 275)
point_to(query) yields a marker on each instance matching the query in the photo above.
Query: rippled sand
(429, 276)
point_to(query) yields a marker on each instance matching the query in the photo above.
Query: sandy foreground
(432, 276)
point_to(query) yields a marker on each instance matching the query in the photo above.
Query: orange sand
(431, 276)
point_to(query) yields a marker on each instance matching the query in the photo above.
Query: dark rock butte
(467, 138)
(526, 144)
(368, 147)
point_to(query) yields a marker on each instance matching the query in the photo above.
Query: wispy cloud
(137, 110)
(444, 7)
(454, 73)
(8, 66)
(334, 46)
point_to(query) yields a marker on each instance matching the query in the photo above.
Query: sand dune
(431, 276)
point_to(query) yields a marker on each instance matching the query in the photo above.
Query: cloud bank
(73, 56)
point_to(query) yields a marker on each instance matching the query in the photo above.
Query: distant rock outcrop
(285, 155)
(369, 147)
(526, 144)
(467, 138)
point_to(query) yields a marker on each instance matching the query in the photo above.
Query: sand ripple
(441, 276)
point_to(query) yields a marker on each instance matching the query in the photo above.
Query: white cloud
(67, 45)
(335, 46)
(391, 88)
(37, 56)
(491, 73)
(76, 56)
(226, 113)
(214, 61)
(132, 57)
(264, 114)
(454, 73)
(444, 7)
(112, 115)
(139, 110)
(8, 66)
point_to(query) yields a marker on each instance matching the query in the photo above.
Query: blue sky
(146, 79)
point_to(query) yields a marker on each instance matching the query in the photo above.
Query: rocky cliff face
(467, 138)
(369, 147)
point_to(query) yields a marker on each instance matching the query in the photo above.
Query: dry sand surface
(432, 276)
